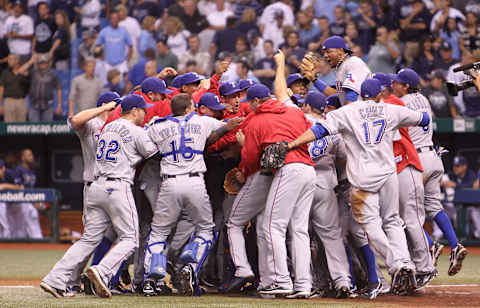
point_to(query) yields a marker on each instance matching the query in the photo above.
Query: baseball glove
(273, 156)
(231, 184)
(308, 67)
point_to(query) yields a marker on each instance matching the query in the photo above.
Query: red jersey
(403, 149)
(273, 122)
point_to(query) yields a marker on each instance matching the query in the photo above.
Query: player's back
(421, 136)
(187, 157)
(367, 129)
(120, 147)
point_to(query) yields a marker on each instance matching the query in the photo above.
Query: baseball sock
(429, 239)
(370, 260)
(101, 250)
(350, 266)
(445, 225)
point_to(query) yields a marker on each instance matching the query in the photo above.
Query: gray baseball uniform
(367, 129)
(324, 214)
(121, 146)
(349, 75)
(181, 140)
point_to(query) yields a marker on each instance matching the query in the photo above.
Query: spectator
(101, 67)
(14, 85)
(138, 72)
(384, 14)
(217, 18)
(202, 59)
(4, 9)
(451, 35)
(293, 52)
(444, 11)
(67, 6)
(146, 39)
(445, 60)
(248, 4)
(414, 20)
(189, 14)
(366, 25)
(255, 41)
(114, 78)
(224, 40)
(117, 44)
(383, 54)
(470, 36)
(324, 26)
(274, 30)
(424, 61)
(60, 51)
(242, 51)
(272, 11)
(89, 14)
(265, 67)
(85, 89)
(19, 32)
(177, 36)
(44, 83)
(165, 57)
(463, 177)
(45, 27)
(243, 70)
(358, 52)
(248, 21)
(326, 8)
(307, 30)
(87, 47)
(442, 104)
(130, 24)
(337, 27)
(143, 8)
(352, 34)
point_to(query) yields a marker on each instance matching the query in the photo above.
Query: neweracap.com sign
(30, 195)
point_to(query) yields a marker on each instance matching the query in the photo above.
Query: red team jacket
(403, 149)
(273, 122)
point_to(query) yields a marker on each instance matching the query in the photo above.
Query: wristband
(320, 85)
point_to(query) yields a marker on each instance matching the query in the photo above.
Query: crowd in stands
(56, 57)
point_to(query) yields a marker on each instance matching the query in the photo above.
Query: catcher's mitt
(309, 65)
(273, 156)
(231, 184)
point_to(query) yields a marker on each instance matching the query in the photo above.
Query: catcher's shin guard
(158, 261)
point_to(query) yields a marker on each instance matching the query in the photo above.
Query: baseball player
(410, 179)
(122, 145)
(4, 179)
(297, 84)
(405, 85)
(367, 128)
(181, 139)
(289, 198)
(350, 71)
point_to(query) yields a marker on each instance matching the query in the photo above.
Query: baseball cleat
(399, 281)
(102, 289)
(299, 295)
(57, 293)
(411, 281)
(319, 293)
(436, 251)
(373, 290)
(342, 292)
(456, 258)
(424, 278)
(237, 284)
(275, 289)
(149, 287)
(187, 280)
(162, 289)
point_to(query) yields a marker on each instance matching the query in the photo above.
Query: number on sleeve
(318, 148)
(378, 129)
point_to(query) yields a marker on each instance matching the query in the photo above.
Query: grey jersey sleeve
(335, 121)
(144, 144)
(403, 116)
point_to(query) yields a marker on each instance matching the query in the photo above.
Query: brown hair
(180, 103)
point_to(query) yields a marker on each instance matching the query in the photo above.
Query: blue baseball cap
(407, 76)
(155, 85)
(211, 101)
(134, 101)
(229, 88)
(244, 84)
(108, 97)
(190, 78)
(177, 82)
(257, 91)
(385, 80)
(371, 88)
(296, 77)
(336, 42)
(334, 101)
(316, 100)
(459, 160)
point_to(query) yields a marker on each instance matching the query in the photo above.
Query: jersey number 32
(107, 152)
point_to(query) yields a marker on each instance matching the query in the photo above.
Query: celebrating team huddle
(207, 186)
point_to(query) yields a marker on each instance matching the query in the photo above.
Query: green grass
(33, 265)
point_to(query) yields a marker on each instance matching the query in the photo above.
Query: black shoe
(373, 289)
(137, 288)
(187, 278)
(88, 286)
(149, 287)
(299, 295)
(319, 293)
(120, 290)
(237, 284)
(275, 289)
(162, 289)
(125, 276)
(342, 292)
(456, 258)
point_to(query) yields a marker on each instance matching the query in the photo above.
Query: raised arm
(83, 117)
(280, 83)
